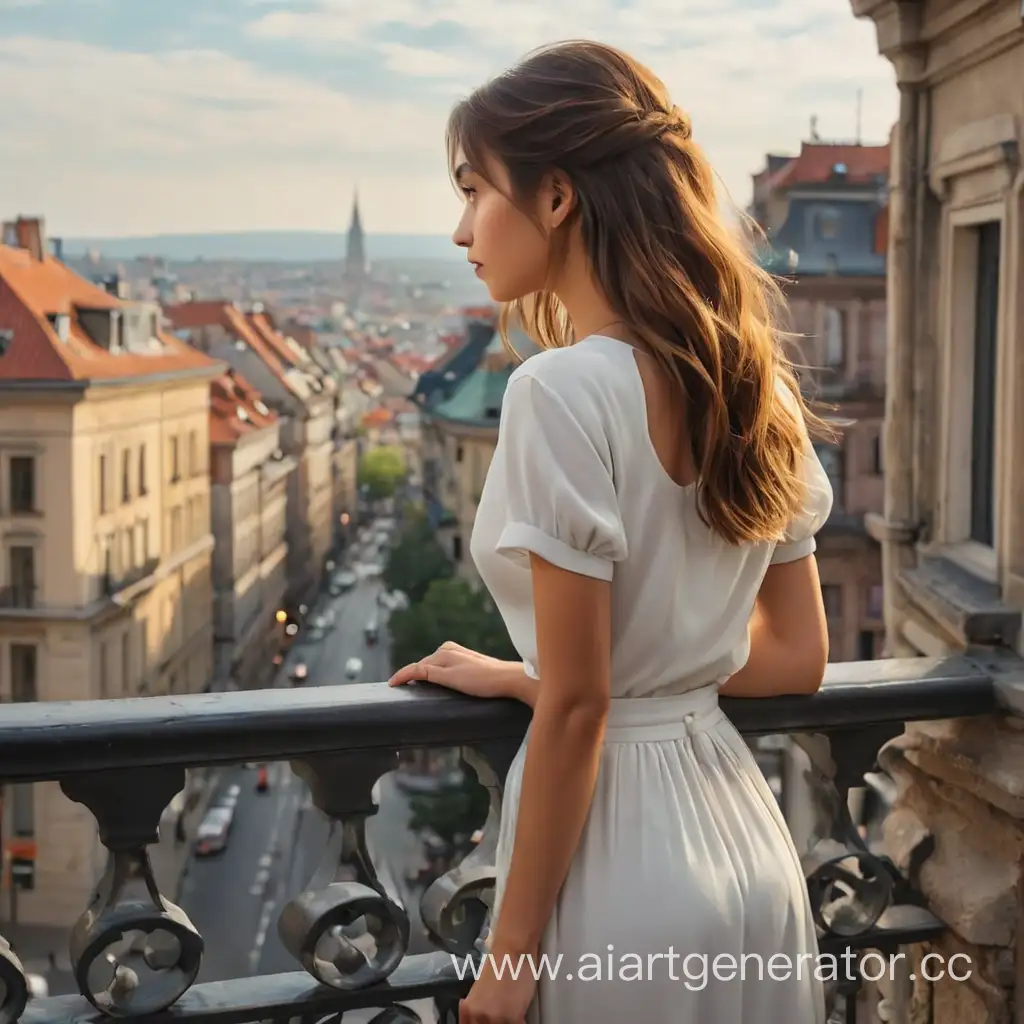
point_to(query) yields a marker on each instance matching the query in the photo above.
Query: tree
(450, 610)
(381, 471)
(416, 561)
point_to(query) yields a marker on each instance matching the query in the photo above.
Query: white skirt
(685, 903)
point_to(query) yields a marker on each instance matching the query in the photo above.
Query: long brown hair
(686, 283)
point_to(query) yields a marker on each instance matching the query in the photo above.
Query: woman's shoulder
(583, 376)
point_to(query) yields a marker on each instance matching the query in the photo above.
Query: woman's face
(508, 250)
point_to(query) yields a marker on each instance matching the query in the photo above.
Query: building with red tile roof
(106, 567)
(828, 206)
(250, 476)
(306, 397)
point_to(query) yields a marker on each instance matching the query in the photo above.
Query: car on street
(299, 673)
(342, 582)
(262, 779)
(213, 831)
(371, 633)
(228, 798)
(353, 669)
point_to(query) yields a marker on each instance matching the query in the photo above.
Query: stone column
(956, 831)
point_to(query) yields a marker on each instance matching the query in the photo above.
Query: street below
(278, 837)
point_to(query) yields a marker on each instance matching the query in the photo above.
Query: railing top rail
(48, 740)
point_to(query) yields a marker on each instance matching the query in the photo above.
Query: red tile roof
(378, 417)
(236, 409)
(220, 313)
(32, 289)
(817, 159)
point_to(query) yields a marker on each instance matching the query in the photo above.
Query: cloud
(184, 139)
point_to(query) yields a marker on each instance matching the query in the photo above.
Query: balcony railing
(348, 931)
(21, 595)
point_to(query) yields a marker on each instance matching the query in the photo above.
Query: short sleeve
(554, 469)
(799, 541)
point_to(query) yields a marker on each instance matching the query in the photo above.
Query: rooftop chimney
(26, 233)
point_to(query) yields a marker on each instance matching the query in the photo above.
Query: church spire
(356, 267)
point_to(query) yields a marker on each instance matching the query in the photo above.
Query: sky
(134, 117)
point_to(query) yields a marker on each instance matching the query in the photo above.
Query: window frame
(959, 315)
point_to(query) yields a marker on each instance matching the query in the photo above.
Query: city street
(277, 838)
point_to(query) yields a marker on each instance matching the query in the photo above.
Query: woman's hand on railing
(469, 672)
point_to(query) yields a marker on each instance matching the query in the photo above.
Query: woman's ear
(557, 199)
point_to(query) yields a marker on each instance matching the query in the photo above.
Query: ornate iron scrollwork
(849, 887)
(397, 1015)
(347, 929)
(133, 952)
(456, 907)
(13, 985)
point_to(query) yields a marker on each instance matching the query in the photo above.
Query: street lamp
(281, 616)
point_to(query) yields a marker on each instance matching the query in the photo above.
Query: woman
(647, 532)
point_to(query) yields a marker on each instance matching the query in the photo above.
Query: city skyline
(267, 115)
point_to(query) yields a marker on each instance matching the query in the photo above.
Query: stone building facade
(952, 527)
(249, 487)
(824, 212)
(105, 579)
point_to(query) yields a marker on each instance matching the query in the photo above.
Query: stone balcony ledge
(125, 760)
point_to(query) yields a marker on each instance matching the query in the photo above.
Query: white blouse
(575, 479)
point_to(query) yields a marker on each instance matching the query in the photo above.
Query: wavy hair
(685, 283)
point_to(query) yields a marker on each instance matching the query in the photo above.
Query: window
(23, 673)
(865, 645)
(103, 484)
(24, 687)
(831, 457)
(832, 598)
(457, 548)
(875, 604)
(459, 453)
(126, 662)
(103, 671)
(834, 337)
(175, 528)
(22, 576)
(23, 483)
(126, 477)
(142, 470)
(878, 456)
(983, 416)
(175, 467)
(826, 223)
(193, 453)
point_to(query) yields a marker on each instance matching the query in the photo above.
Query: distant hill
(276, 246)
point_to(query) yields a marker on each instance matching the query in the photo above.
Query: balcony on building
(126, 760)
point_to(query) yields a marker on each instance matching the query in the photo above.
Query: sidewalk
(43, 950)
(171, 855)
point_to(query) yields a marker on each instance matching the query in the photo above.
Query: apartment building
(952, 528)
(303, 395)
(460, 401)
(105, 567)
(249, 496)
(825, 214)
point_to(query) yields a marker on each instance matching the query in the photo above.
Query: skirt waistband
(632, 719)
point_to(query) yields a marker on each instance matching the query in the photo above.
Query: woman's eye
(468, 191)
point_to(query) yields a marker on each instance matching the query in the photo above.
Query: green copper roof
(477, 400)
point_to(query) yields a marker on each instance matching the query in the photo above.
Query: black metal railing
(134, 953)
(18, 595)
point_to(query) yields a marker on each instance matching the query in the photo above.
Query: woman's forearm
(774, 667)
(565, 745)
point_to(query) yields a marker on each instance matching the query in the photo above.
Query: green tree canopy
(450, 610)
(382, 470)
(416, 560)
